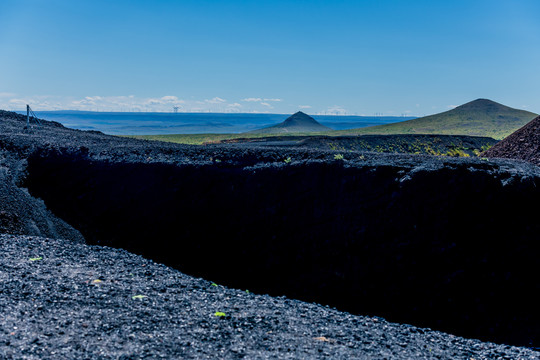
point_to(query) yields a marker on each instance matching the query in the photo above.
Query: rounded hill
(297, 123)
(481, 117)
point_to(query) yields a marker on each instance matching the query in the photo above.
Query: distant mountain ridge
(481, 117)
(296, 123)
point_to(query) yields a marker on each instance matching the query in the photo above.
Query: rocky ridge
(523, 144)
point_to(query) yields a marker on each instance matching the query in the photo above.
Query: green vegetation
(138, 297)
(477, 118)
(190, 139)
(334, 146)
(338, 157)
(456, 153)
(407, 144)
(35, 259)
(200, 139)
(428, 144)
(486, 147)
(220, 314)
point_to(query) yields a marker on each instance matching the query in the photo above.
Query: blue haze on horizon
(139, 123)
(386, 57)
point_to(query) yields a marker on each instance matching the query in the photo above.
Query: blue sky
(356, 57)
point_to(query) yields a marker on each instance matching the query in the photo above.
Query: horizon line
(217, 112)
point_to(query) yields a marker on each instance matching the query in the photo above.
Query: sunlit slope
(480, 117)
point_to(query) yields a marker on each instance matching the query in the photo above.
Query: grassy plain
(199, 139)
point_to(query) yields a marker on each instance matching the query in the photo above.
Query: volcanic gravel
(62, 300)
(523, 144)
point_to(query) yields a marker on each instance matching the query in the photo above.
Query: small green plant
(338, 157)
(486, 147)
(288, 160)
(138, 297)
(214, 284)
(36, 259)
(457, 152)
(247, 291)
(220, 314)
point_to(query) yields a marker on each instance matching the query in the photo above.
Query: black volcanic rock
(523, 144)
(90, 302)
(417, 239)
(296, 123)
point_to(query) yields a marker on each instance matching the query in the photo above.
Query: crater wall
(455, 249)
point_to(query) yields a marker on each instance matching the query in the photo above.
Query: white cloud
(88, 100)
(336, 110)
(126, 103)
(304, 106)
(18, 101)
(216, 100)
(6, 94)
(170, 98)
(256, 99)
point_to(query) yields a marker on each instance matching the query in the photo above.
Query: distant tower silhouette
(30, 116)
(175, 109)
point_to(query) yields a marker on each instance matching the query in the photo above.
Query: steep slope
(523, 144)
(20, 213)
(296, 123)
(480, 117)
